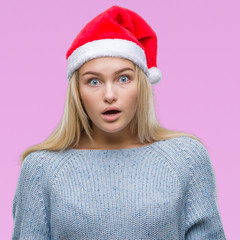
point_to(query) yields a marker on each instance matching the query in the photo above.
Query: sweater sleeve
(203, 219)
(29, 209)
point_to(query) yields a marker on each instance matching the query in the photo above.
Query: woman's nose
(109, 94)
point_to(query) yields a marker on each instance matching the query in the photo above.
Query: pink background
(198, 54)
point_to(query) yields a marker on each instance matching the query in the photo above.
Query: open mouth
(111, 112)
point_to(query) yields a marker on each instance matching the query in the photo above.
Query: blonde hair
(75, 120)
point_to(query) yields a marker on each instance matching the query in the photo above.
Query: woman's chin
(112, 128)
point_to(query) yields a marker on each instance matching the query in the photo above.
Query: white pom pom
(154, 75)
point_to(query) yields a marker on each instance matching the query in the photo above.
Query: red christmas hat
(116, 32)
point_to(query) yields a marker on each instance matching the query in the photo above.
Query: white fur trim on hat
(106, 47)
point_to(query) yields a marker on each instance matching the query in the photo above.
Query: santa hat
(116, 32)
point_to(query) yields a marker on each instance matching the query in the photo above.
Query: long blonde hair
(75, 120)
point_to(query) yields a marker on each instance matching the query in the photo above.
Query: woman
(109, 170)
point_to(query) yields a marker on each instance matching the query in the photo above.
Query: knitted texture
(165, 190)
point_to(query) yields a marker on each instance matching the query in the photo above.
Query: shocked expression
(108, 91)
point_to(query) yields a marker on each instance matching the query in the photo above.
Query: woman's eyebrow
(99, 74)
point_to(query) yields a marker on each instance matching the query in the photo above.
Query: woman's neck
(109, 142)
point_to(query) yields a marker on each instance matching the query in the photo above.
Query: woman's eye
(124, 78)
(93, 82)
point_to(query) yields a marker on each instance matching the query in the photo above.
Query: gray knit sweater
(165, 190)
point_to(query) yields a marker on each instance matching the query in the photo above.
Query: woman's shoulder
(39, 157)
(46, 161)
(183, 152)
(181, 145)
(191, 148)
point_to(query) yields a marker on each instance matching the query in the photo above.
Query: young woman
(109, 170)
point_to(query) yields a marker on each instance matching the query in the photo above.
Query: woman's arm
(29, 209)
(203, 219)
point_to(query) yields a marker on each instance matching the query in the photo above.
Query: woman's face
(109, 82)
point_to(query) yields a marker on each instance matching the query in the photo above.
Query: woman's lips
(111, 117)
